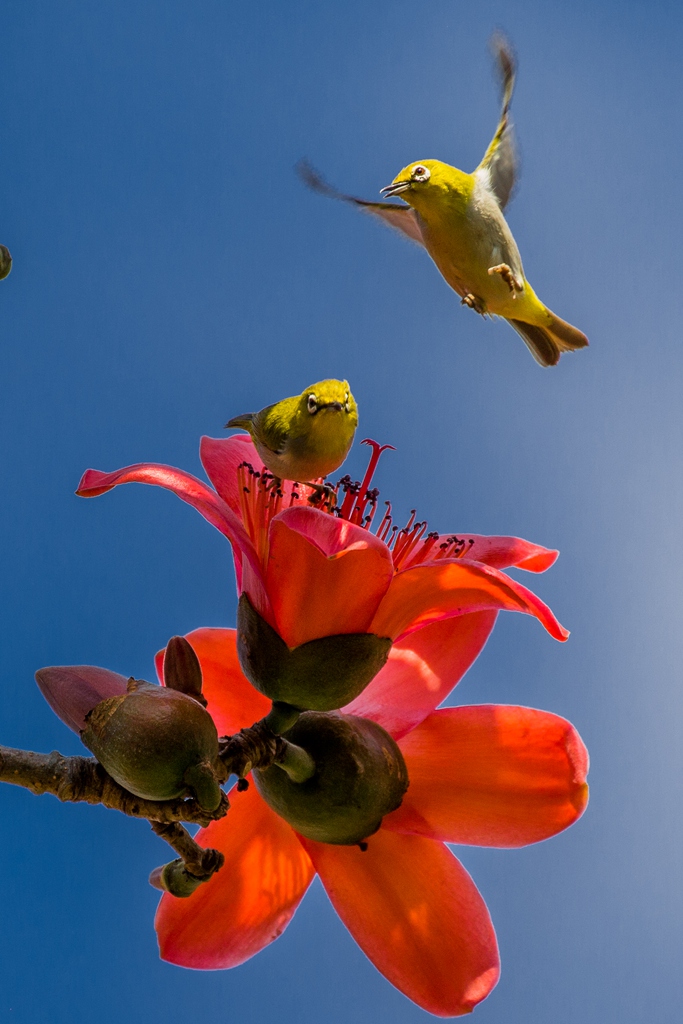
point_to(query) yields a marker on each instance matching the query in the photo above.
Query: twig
(199, 861)
(83, 779)
(256, 747)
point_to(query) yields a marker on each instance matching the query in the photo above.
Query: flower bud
(72, 691)
(360, 776)
(182, 670)
(175, 878)
(321, 675)
(157, 743)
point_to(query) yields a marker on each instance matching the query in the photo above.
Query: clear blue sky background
(171, 271)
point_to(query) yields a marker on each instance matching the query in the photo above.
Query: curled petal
(248, 902)
(492, 775)
(221, 457)
(186, 487)
(74, 690)
(422, 670)
(416, 913)
(442, 589)
(325, 576)
(233, 703)
(498, 552)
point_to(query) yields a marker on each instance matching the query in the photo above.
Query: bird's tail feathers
(546, 344)
(245, 421)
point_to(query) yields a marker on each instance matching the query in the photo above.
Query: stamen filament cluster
(263, 496)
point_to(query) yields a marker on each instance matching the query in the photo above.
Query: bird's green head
(429, 183)
(329, 398)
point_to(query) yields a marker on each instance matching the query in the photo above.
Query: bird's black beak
(394, 189)
(337, 406)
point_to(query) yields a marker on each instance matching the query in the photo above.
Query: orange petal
(417, 914)
(422, 670)
(492, 775)
(234, 704)
(503, 552)
(438, 590)
(246, 904)
(187, 487)
(324, 576)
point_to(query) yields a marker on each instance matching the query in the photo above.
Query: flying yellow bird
(305, 437)
(458, 218)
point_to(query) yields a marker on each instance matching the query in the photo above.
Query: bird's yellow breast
(465, 233)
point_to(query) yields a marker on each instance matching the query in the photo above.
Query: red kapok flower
(485, 775)
(312, 567)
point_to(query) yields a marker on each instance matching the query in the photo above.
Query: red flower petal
(498, 552)
(233, 703)
(422, 670)
(417, 914)
(441, 589)
(324, 576)
(246, 904)
(186, 487)
(221, 457)
(74, 690)
(492, 775)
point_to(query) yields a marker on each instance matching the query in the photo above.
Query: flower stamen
(262, 496)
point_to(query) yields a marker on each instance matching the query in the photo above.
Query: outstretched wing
(403, 218)
(499, 165)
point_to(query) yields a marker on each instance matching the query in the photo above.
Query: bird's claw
(323, 494)
(511, 281)
(478, 305)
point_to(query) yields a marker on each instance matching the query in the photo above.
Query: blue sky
(171, 271)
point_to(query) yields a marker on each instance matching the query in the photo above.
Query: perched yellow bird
(458, 218)
(305, 437)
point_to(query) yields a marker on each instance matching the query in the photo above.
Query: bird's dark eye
(312, 404)
(346, 402)
(420, 173)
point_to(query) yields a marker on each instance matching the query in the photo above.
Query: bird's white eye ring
(346, 403)
(420, 173)
(312, 404)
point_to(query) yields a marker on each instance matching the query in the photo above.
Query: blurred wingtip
(313, 179)
(505, 57)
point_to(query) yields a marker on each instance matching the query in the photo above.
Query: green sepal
(201, 779)
(321, 675)
(360, 776)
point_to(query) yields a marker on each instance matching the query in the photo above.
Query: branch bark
(200, 862)
(83, 779)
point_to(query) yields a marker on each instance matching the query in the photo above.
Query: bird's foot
(478, 305)
(323, 494)
(513, 283)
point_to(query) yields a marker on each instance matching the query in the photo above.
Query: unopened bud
(360, 776)
(182, 670)
(72, 691)
(175, 878)
(321, 675)
(157, 743)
